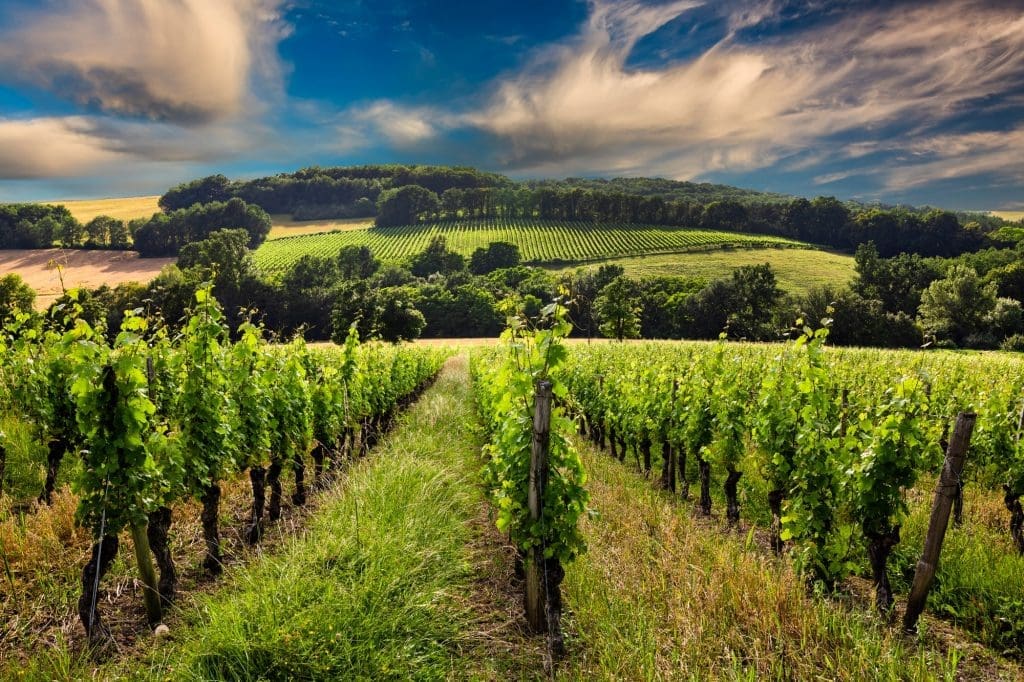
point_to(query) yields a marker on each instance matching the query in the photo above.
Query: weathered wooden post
(535, 502)
(945, 492)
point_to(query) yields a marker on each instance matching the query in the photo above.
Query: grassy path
(384, 583)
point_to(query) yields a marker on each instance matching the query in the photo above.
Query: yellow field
(1008, 215)
(797, 270)
(127, 208)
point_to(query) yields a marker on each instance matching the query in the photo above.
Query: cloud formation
(893, 73)
(71, 146)
(183, 61)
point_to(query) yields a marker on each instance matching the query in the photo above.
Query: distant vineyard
(539, 241)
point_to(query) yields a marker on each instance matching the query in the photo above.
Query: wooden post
(150, 591)
(945, 491)
(535, 502)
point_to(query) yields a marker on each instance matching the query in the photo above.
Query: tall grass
(661, 595)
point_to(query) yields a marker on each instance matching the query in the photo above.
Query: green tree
(397, 318)
(405, 205)
(310, 272)
(117, 235)
(495, 256)
(437, 258)
(618, 309)
(955, 308)
(357, 262)
(98, 230)
(223, 258)
(15, 296)
(71, 233)
(757, 296)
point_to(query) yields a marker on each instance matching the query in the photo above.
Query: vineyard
(539, 241)
(795, 474)
(148, 422)
(831, 451)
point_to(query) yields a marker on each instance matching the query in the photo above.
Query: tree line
(971, 301)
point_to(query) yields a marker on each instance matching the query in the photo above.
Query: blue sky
(915, 102)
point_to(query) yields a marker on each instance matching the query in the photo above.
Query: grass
(797, 270)
(661, 595)
(126, 208)
(400, 574)
(387, 581)
(539, 241)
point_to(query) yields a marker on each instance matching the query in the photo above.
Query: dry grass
(78, 268)
(45, 553)
(1008, 215)
(663, 595)
(126, 208)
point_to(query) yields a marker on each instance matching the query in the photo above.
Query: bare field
(78, 268)
(126, 208)
(1008, 215)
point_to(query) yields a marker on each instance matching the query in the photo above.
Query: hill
(540, 241)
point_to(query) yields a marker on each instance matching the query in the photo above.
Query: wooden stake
(945, 491)
(535, 502)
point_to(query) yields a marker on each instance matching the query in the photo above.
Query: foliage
(954, 308)
(494, 256)
(617, 309)
(406, 205)
(505, 382)
(166, 233)
(15, 296)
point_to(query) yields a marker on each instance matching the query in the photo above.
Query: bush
(1013, 344)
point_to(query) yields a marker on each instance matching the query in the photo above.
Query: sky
(898, 101)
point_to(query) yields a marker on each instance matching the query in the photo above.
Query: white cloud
(944, 157)
(579, 108)
(48, 147)
(184, 61)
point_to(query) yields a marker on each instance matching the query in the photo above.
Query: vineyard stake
(945, 491)
(535, 502)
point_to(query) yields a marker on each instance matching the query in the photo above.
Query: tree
(756, 296)
(405, 205)
(495, 256)
(618, 309)
(310, 272)
(203, 191)
(708, 310)
(397, 318)
(357, 262)
(15, 296)
(222, 258)
(1009, 279)
(954, 308)
(99, 230)
(437, 258)
(897, 282)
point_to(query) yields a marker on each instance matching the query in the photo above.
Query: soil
(77, 268)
